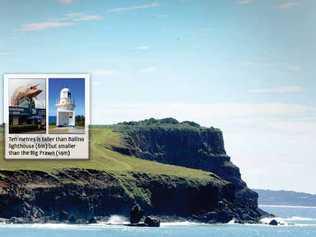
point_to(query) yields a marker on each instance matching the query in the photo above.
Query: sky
(76, 88)
(244, 66)
(40, 99)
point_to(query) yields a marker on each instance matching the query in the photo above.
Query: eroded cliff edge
(185, 144)
(79, 196)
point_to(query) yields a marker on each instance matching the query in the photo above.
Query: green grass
(103, 158)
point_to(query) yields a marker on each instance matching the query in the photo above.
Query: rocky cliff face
(78, 196)
(185, 144)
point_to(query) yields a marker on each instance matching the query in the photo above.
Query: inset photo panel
(26, 105)
(66, 99)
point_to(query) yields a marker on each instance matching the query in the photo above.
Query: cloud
(66, 2)
(161, 16)
(44, 25)
(294, 68)
(244, 2)
(288, 4)
(148, 69)
(302, 127)
(206, 114)
(134, 8)
(69, 19)
(143, 47)
(266, 63)
(278, 90)
(82, 17)
(5, 53)
(98, 76)
(103, 72)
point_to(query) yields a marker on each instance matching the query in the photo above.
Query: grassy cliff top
(102, 157)
(170, 123)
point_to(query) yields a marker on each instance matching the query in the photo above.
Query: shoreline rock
(152, 222)
(274, 222)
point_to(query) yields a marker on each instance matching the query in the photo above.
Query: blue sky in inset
(245, 66)
(76, 88)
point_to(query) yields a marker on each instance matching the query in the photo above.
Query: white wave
(181, 223)
(41, 226)
(117, 220)
(232, 221)
(288, 206)
(53, 226)
(299, 218)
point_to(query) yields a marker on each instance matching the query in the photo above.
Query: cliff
(184, 144)
(169, 168)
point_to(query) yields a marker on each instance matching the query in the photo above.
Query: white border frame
(46, 76)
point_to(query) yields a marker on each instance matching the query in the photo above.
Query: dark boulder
(152, 222)
(273, 222)
(92, 220)
(72, 220)
(136, 214)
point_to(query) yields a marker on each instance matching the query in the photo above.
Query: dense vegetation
(166, 123)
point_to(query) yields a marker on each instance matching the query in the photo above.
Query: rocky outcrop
(136, 214)
(273, 222)
(184, 144)
(80, 195)
(151, 221)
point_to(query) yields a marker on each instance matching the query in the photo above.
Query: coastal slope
(119, 175)
(287, 198)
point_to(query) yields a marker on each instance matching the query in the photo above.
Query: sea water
(296, 222)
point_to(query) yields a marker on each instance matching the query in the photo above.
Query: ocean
(297, 221)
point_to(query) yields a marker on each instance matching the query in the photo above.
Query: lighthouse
(65, 109)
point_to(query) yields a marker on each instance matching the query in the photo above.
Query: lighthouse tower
(65, 109)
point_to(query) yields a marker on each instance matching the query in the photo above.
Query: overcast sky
(245, 66)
